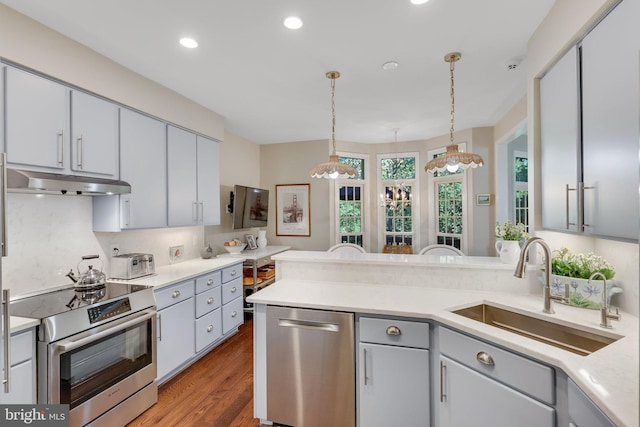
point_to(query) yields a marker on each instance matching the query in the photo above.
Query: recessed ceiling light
(188, 43)
(292, 22)
(419, 1)
(390, 65)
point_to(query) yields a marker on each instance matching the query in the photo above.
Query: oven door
(97, 369)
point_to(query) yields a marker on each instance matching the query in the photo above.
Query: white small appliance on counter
(132, 266)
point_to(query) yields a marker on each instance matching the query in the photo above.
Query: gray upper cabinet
(94, 136)
(560, 151)
(208, 152)
(589, 116)
(611, 124)
(36, 122)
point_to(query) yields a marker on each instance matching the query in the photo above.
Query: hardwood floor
(216, 391)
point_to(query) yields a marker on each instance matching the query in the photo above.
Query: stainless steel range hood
(22, 181)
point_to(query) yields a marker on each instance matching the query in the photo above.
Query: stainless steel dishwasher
(310, 367)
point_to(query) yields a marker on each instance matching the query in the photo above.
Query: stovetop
(64, 300)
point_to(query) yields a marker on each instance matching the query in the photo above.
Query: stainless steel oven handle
(7, 340)
(68, 345)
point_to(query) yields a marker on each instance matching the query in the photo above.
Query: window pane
(522, 167)
(358, 164)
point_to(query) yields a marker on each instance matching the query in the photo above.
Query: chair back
(397, 249)
(440, 250)
(346, 247)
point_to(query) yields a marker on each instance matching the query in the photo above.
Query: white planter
(583, 293)
(509, 251)
(262, 238)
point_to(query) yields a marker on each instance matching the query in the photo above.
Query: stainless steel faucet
(546, 290)
(605, 313)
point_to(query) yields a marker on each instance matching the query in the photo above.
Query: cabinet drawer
(208, 301)
(231, 273)
(381, 331)
(232, 315)
(232, 290)
(208, 329)
(22, 346)
(523, 374)
(208, 281)
(174, 294)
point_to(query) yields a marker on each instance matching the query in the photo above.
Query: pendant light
(333, 169)
(453, 159)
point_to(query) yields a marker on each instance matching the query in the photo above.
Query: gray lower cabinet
(583, 412)
(393, 373)
(481, 384)
(208, 311)
(23, 371)
(176, 340)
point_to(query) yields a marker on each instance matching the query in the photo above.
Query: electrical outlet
(175, 253)
(114, 249)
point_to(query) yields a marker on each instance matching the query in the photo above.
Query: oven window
(88, 370)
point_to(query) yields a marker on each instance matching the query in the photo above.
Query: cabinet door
(611, 123)
(468, 398)
(37, 121)
(208, 181)
(182, 177)
(143, 165)
(583, 412)
(22, 385)
(393, 386)
(176, 337)
(94, 136)
(560, 156)
(208, 329)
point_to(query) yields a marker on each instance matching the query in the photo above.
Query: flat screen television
(250, 207)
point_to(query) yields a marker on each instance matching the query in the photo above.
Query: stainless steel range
(96, 350)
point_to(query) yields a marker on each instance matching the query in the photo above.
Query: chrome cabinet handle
(443, 371)
(233, 272)
(201, 213)
(581, 206)
(6, 333)
(209, 328)
(61, 141)
(80, 151)
(126, 208)
(393, 330)
(566, 193)
(485, 359)
(234, 314)
(175, 294)
(233, 290)
(194, 212)
(159, 327)
(209, 282)
(210, 300)
(364, 355)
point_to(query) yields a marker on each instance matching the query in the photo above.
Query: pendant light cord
(333, 115)
(451, 67)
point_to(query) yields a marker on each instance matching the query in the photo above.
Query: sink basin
(561, 336)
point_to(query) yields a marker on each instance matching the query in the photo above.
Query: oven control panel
(108, 310)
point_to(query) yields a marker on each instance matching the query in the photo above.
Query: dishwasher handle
(309, 324)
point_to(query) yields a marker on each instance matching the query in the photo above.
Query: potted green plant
(575, 270)
(510, 235)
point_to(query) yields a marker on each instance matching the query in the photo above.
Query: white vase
(262, 238)
(509, 251)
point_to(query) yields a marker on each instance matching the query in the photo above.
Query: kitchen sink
(565, 337)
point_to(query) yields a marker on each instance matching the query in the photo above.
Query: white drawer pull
(209, 282)
(234, 314)
(393, 330)
(485, 359)
(209, 328)
(210, 300)
(175, 294)
(233, 290)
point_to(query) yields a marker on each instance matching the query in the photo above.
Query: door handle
(6, 333)
(443, 371)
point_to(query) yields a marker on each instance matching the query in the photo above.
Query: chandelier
(333, 169)
(453, 159)
(396, 197)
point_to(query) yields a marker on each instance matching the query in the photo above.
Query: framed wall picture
(484, 199)
(251, 241)
(293, 210)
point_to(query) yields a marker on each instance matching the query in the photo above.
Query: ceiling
(269, 83)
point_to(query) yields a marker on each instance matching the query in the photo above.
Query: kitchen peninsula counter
(398, 285)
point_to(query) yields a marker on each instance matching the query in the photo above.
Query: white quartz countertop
(610, 376)
(19, 324)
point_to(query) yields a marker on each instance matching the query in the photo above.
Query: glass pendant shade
(333, 169)
(453, 159)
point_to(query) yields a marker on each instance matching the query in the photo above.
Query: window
(349, 197)
(521, 189)
(398, 184)
(448, 206)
